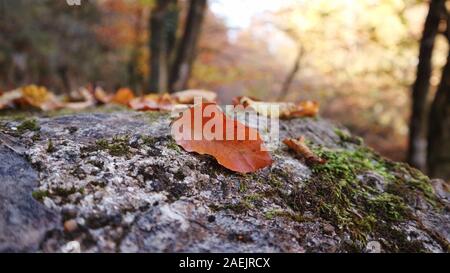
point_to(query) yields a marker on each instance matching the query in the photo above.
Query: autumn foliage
(238, 154)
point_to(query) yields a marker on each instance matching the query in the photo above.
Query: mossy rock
(123, 169)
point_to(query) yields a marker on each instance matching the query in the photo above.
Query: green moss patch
(153, 116)
(346, 137)
(50, 147)
(335, 193)
(40, 195)
(272, 214)
(171, 144)
(410, 183)
(28, 125)
(61, 192)
(117, 146)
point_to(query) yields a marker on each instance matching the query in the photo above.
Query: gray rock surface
(117, 182)
(24, 222)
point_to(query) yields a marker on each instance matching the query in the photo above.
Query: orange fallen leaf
(39, 97)
(35, 95)
(153, 102)
(300, 147)
(123, 96)
(283, 110)
(234, 145)
(188, 96)
(303, 109)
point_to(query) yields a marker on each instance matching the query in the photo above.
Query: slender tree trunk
(290, 77)
(63, 72)
(171, 26)
(438, 156)
(134, 79)
(186, 51)
(160, 38)
(416, 149)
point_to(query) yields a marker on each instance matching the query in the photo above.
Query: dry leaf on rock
(300, 147)
(204, 135)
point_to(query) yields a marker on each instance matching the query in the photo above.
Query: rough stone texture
(23, 221)
(117, 182)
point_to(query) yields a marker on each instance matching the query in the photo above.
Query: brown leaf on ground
(242, 151)
(38, 97)
(153, 102)
(187, 96)
(7, 99)
(300, 147)
(142, 104)
(123, 96)
(283, 110)
(88, 100)
(302, 109)
(101, 96)
(240, 100)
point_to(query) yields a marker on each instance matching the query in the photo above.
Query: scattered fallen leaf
(300, 147)
(142, 104)
(123, 96)
(7, 98)
(39, 97)
(188, 96)
(303, 109)
(263, 108)
(153, 102)
(241, 100)
(282, 110)
(101, 96)
(88, 100)
(165, 101)
(35, 95)
(246, 155)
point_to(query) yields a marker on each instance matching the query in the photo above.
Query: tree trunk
(171, 26)
(416, 149)
(186, 51)
(159, 53)
(438, 157)
(135, 81)
(288, 81)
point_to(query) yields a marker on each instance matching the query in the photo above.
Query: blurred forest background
(367, 62)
